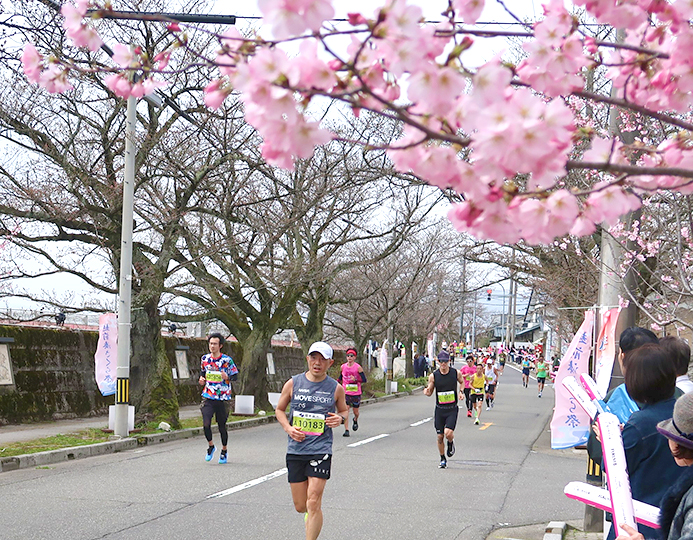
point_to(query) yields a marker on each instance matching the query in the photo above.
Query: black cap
(443, 356)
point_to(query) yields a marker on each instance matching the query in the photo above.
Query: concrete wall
(54, 373)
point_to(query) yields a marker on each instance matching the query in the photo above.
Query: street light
(122, 401)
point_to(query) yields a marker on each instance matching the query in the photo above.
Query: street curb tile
(26, 461)
(555, 530)
(65, 454)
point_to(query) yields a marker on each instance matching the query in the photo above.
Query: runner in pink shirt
(467, 372)
(351, 376)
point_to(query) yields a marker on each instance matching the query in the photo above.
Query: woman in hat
(676, 507)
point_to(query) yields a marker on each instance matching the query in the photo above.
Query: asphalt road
(386, 487)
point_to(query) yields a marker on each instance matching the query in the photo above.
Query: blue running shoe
(222, 458)
(210, 453)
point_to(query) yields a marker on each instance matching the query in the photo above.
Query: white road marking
(421, 421)
(365, 441)
(248, 484)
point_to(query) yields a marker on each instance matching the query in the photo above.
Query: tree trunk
(152, 391)
(253, 379)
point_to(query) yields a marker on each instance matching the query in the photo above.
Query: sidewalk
(28, 432)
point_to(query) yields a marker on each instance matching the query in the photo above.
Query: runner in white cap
(491, 374)
(314, 397)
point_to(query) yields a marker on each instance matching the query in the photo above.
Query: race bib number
(309, 423)
(445, 398)
(213, 376)
(352, 387)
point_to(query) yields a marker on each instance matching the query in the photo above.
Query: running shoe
(355, 425)
(492, 404)
(539, 394)
(451, 448)
(210, 453)
(443, 464)
(346, 433)
(222, 458)
(469, 414)
(476, 422)
(488, 408)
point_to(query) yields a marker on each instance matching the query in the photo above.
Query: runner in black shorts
(444, 380)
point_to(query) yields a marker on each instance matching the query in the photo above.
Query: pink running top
(351, 381)
(466, 372)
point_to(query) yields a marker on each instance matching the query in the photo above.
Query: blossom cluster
(503, 137)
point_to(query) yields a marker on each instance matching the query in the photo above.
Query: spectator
(676, 507)
(60, 318)
(679, 351)
(651, 381)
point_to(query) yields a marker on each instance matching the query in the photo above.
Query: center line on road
(421, 421)
(364, 441)
(248, 484)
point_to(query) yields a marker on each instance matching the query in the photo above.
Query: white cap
(444, 345)
(323, 348)
(489, 361)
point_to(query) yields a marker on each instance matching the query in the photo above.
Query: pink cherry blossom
(469, 10)
(77, 31)
(32, 63)
(290, 18)
(122, 55)
(54, 79)
(215, 93)
(119, 84)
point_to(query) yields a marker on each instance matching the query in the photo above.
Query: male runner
(542, 371)
(351, 376)
(467, 372)
(491, 374)
(216, 371)
(313, 397)
(444, 380)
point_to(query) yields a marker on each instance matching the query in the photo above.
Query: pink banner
(606, 350)
(570, 424)
(105, 356)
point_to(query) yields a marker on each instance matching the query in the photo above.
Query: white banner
(614, 463)
(105, 356)
(570, 425)
(606, 351)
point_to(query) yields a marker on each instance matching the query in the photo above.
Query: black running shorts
(301, 467)
(353, 401)
(445, 418)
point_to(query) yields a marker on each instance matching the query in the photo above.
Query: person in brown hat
(676, 506)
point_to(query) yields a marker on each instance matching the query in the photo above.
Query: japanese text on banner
(570, 424)
(105, 356)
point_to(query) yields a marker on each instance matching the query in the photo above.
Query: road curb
(39, 459)
(555, 530)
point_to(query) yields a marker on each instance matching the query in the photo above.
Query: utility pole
(122, 400)
(610, 288)
(390, 349)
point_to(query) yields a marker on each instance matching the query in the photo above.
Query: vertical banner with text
(570, 425)
(606, 350)
(105, 356)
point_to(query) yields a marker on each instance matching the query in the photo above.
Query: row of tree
(218, 233)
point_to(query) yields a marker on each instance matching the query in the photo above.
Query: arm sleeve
(634, 447)
(339, 379)
(363, 376)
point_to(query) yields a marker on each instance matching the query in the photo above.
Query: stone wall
(54, 373)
